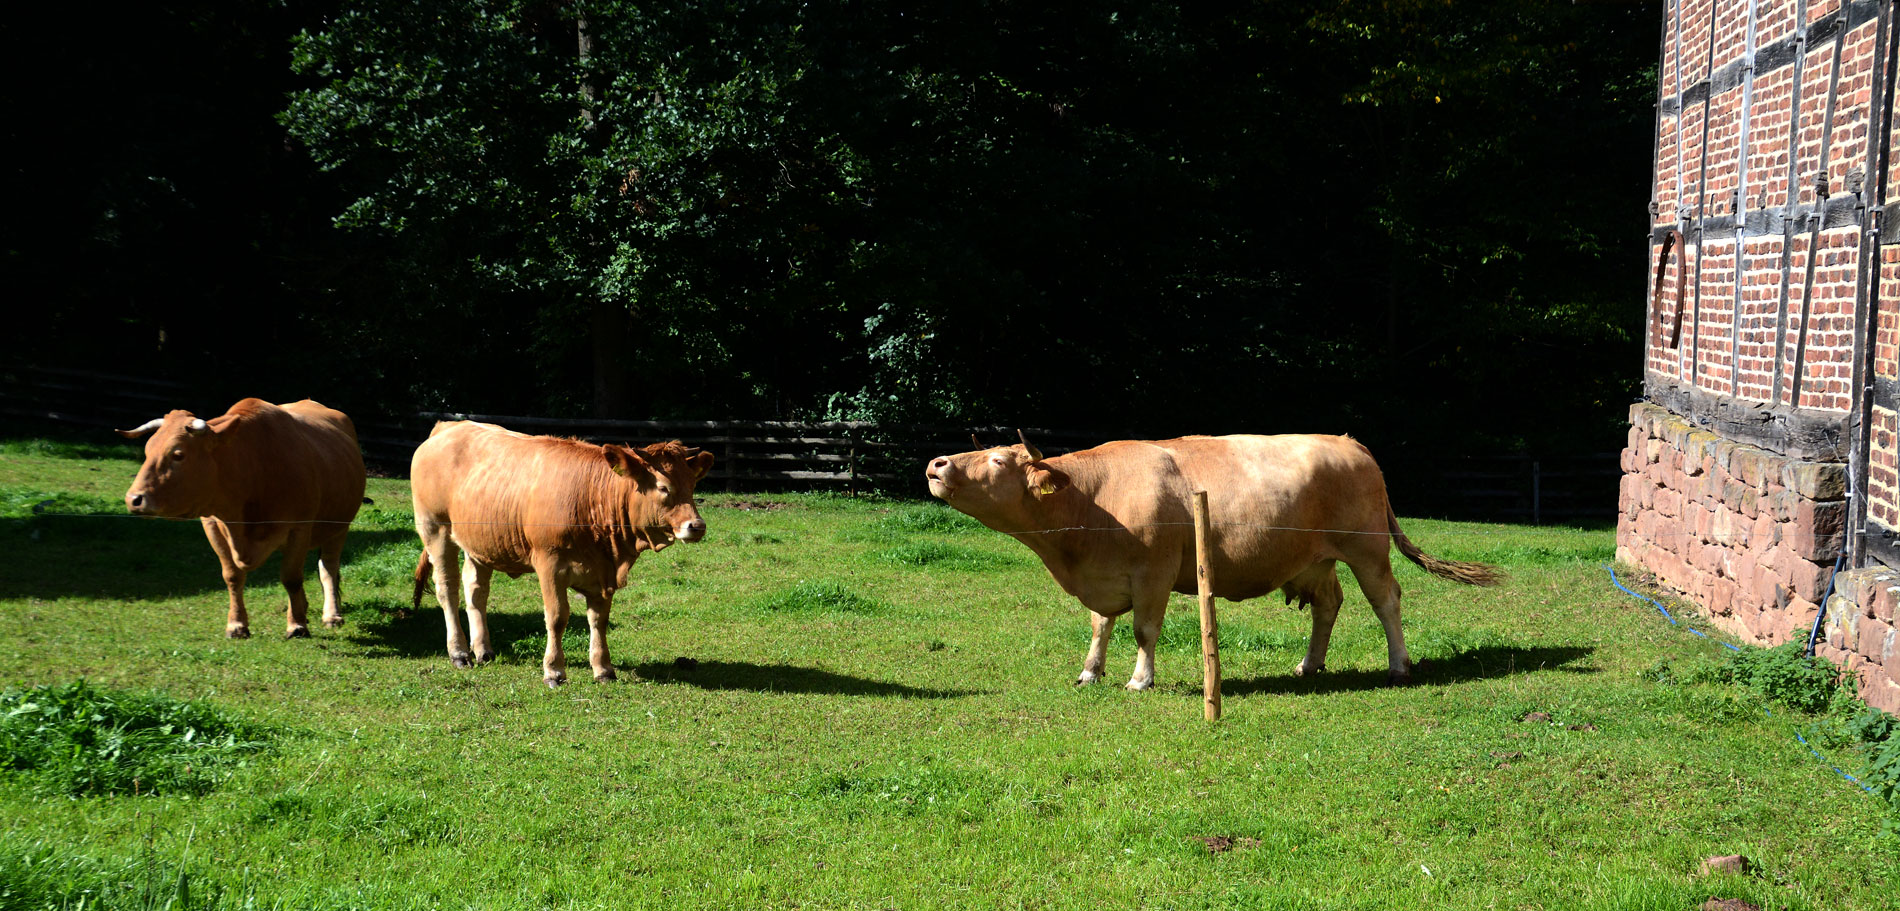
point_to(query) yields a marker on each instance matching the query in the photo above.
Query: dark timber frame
(1860, 201)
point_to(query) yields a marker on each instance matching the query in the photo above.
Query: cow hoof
(1136, 686)
(1300, 670)
(297, 632)
(1398, 679)
(1087, 678)
(333, 622)
(237, 632)
(607, 677)
(554, 681)
(484, 657)
(461, 660)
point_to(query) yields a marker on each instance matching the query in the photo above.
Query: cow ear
(1044, 480)
(625, 462)
(701, 464)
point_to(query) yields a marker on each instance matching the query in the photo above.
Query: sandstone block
(1722, 451)
(1780, 505)
(1882, 694)
(1747, 466)
(1873, 640)
(1817, 529)
(1721, 600)
(1815, 480)
(1805, 578)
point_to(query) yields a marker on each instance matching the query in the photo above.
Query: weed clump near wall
(1787, 675)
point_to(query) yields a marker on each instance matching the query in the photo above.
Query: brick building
(1764, 453)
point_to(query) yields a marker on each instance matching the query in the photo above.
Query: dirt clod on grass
(1217, 844)
(1537, 716)
(752, 505)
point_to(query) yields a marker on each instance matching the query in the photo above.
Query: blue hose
(1797, 734)
(1665, 611)
(1821, 613)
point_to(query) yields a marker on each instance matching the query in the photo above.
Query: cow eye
(665, 489)
(178, 455)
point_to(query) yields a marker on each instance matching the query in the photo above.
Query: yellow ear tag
(620, 470)
(1047, 488)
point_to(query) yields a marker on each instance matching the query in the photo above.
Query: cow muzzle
(138, 504)
(691, 531)
(937, 474)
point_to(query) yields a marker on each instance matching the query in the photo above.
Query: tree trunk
(613, 386)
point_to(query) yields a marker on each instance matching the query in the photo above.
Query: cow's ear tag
(1044, 480)
(616, 461)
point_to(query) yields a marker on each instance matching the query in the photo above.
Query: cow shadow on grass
(96, 551)
(781, 678)
(391, 629)
(1487, 662)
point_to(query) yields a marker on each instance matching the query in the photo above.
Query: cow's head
(662, 477)
(994, 481)
(180, 476)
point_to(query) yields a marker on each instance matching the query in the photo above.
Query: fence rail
(849, 456)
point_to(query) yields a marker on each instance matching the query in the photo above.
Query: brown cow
(1114, 526)
(574, 514)
(261, 479)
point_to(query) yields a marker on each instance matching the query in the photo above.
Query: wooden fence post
(1210, 627)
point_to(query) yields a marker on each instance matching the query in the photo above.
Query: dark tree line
(1418, 222)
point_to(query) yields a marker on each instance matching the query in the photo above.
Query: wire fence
(845, 456)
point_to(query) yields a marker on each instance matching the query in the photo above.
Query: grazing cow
(574, 514)
(1114, 526)
(261, 478)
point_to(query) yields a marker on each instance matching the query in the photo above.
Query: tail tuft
(1483, 574)
(422, 578)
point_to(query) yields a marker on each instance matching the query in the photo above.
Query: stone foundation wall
(1752, 537)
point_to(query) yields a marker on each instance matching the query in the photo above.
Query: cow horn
(1035, 455)
(977, 443)
(197, 426)
(142, 429)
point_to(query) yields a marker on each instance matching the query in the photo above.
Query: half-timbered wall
(1773, 347)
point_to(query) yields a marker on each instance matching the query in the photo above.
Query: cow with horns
(1114, 526)
(260, 478)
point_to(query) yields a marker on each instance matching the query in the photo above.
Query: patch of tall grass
(81, 740)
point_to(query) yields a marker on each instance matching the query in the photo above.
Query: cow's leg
(554, 610)
(1149, 608)
(598, 607)
(475, 577)
(297, 614)
(1376, 580)
(1095, 663)
(1318, 587)
(329, 573)
(237, 623)
(445, 557)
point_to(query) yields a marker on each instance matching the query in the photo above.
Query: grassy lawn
(837, 703)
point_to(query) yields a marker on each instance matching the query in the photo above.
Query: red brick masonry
(1751, 536)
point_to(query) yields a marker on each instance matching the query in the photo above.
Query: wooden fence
(842, 456)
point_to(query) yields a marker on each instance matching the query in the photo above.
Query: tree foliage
(1135, 217)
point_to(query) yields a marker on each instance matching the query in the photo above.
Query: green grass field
(876, 711)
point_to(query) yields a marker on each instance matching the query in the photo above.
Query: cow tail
(1455, 570)
(422, 577)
